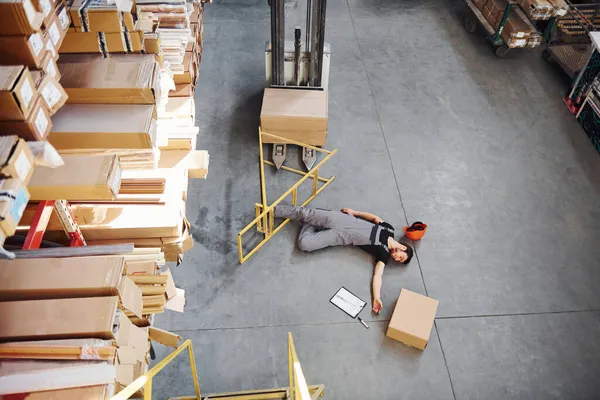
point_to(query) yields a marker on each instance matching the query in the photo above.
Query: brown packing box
(16, 93)
(489, 17)
(516, 27)
(63, 17)
(133, 338)
(182, 90)
(102, 221)
(39, 279)
(412, 319)
(16, 160)
(151, 43)
(52, 93)
(299, 115)
(81, 42)
(190, 69)
(103, 126)
(103, 19)
(35, 127)
(58, 318)
(55, 32)
(537, 9)
(90, 79)
(76, 8)
(49, 66)
(46, 7)
(496, 8)
(115, 42)
(22, 50)
(128, 21)
(101, 180)
(13, 200)
(19, 17)
(136, 39)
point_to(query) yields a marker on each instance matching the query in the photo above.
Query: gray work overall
(324, 228)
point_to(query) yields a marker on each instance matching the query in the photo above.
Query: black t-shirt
(380, 253)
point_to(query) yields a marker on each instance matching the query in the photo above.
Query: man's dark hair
(408, 251)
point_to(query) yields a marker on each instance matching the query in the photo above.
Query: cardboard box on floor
(90, 79)
(103, 126)
(16, 160)
(412, 319)
(19, 17)
(58, 318)
(16, 93)
(82, 177)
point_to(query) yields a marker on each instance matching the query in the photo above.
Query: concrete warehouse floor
(430, 126)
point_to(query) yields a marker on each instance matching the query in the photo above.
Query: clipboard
(348, 302)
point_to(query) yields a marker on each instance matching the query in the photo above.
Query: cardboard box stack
(544, 9)
(81, 325)
(102, 28)
(30, 33)
(518, 30)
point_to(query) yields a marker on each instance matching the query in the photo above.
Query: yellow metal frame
(298, 389)
(145, 381)
(265, 219)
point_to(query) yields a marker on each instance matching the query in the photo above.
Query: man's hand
(348, 211)
(377, 306)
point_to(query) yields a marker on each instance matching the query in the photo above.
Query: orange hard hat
(415, 231)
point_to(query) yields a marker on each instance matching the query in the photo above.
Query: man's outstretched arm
(377, 281)
(367, 216)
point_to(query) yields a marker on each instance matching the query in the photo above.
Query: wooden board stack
(101, 341)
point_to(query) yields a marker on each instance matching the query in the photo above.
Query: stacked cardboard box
(30, 33)
(94, 344)
(100, 27)
(544, 9)
(518, 31)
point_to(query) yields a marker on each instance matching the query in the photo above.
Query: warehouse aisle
(430, 126)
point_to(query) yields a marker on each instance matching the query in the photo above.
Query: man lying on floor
(325, 228)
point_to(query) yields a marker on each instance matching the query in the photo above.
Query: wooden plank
(152, 289)
(24, 376)
(67, 349)
(149, 279)
(164, 337)
(94, 250)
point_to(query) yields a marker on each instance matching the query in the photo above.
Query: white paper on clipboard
(348, 302)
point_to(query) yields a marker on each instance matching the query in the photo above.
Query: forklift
(298, 64)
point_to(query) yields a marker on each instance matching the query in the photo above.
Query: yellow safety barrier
(145, 381)
(265, 221)
(298, 389)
